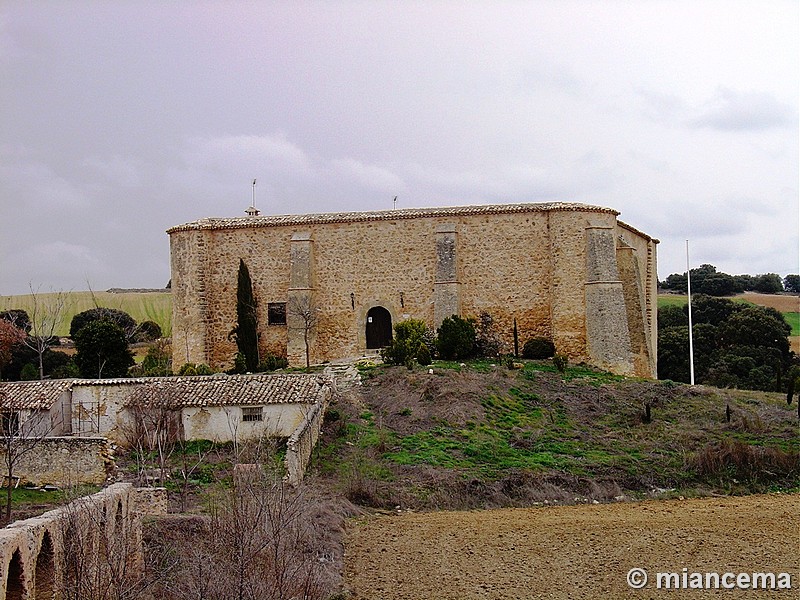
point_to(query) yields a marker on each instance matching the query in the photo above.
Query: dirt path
(572, 551)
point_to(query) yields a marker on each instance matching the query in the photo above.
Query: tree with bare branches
(45, 316)
(22, 431)
(306, 315)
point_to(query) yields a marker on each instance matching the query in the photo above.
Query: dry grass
(780, 302)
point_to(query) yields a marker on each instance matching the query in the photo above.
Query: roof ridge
(383, 215)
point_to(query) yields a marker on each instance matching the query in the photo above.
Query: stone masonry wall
(528, 265)
(65, 461)
(301, 443)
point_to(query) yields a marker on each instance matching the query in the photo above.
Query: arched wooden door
(379, 328)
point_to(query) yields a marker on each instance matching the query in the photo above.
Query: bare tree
(154, 429)
(23, 430)
(103, 554)
(46, 313)
(306, 313)
(258, 544)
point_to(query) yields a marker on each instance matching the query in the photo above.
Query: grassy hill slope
(483, 436)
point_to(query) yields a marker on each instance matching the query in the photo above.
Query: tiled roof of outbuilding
(176, 392)
(32, 395)
(385, 215)
(216, 390)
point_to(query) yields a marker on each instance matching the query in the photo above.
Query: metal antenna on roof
(394, 203)
(254, 193)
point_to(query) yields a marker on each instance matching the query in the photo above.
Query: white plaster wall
(97, 410)
(224, 423)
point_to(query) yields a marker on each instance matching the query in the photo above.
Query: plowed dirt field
(576, 552)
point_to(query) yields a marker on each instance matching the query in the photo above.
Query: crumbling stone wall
(301, 443)
(65, 461)
(536, 263)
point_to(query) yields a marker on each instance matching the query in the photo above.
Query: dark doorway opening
(379, 328)
(44, 581)
(15, 586)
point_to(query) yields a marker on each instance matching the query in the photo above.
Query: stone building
(569, 272)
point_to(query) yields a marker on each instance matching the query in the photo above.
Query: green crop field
(142, 306)
(793, 318)
(671, 300)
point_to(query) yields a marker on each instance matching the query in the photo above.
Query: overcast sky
(120, 119)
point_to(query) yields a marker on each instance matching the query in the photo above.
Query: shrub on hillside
(408, 336)
(423, 355)
(456, 338)
(29, 372)
(487, 338)
(538, 348)
(560, 361)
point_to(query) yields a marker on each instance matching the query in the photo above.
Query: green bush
(29, 372)
(560, 361)
(408, 336)
(272, 362)
(102, 350)
(456, 338)
(190, 369)
(488, 342)
(538, 348)
(158, 362)
(423, 355)
(203, 369)
(148, 331)
(119, 317)
(239, 364)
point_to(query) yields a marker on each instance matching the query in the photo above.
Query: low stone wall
(93, 544)
(63, 461)
(302, 441)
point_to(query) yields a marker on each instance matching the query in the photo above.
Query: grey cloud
(731, 110)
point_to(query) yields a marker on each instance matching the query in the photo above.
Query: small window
(252, 413)
(276, 313)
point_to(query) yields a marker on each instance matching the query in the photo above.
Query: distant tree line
(735, 344)
(707, 280)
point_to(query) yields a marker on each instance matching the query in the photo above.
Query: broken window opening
(276, 313)
(252, 413)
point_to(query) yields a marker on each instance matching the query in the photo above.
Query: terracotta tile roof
(385, 215)
(32, 395)
(174, 392)
(215, 390)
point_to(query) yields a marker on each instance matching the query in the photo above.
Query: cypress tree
(246, 334)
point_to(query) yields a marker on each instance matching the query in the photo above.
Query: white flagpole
(689, 294)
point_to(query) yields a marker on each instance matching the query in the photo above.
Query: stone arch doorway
(379, 328)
